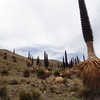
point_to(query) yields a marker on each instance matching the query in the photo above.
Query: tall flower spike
(86, 27)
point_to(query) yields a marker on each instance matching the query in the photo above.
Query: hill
(12, 84)
(21, 60)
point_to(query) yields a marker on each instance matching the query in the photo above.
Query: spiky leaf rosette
(90, 68)
(90, 73)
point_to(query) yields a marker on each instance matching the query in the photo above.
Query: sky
(47, 25)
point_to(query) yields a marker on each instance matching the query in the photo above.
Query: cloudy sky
(47, 25)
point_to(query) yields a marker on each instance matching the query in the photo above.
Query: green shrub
(36, 94)
(4, 71)
(41, 71)
(25, 96)
(56, 73)
(26, 73)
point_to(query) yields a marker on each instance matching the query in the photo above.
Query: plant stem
(90, 50)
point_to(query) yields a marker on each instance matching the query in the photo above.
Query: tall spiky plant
(32, 61)
(45, 58)
(64, 63)
(83, 57)
(38, 61)
(71, 63)
(90, 68)
(29, 55)
(46, 62)
(66, 60)
(14, 51)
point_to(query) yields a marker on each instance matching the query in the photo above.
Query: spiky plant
(90, 68)
(29, 55)
(71, 63)
(46, 62)
(83, 57)
(66, 60)
(38, 61)
(77, 58)
(14, 51)
(64, 63)
(32, 61)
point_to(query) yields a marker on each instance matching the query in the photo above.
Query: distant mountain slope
(21, 60)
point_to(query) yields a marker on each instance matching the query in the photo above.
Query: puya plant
(90, 68)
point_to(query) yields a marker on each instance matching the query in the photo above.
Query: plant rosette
(56, 73)
(4, 72)
(41, 73)
(26, 73)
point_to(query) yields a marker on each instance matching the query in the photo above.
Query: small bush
(26, 73)
(3, 91)
(41, 73)
(5, 55)
(25, 96)
(4, 72)
(14, 59)
(56, 73)
(36, 94)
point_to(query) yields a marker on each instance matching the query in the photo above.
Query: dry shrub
(90, 73)
(66, 74)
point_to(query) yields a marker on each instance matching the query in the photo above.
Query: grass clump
(56, 73)
(41, 73)
(80, 90)
(23, 95)
(26, 73)
(36, 94)
(4, 71)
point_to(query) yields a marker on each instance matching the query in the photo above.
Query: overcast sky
(47, 25)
